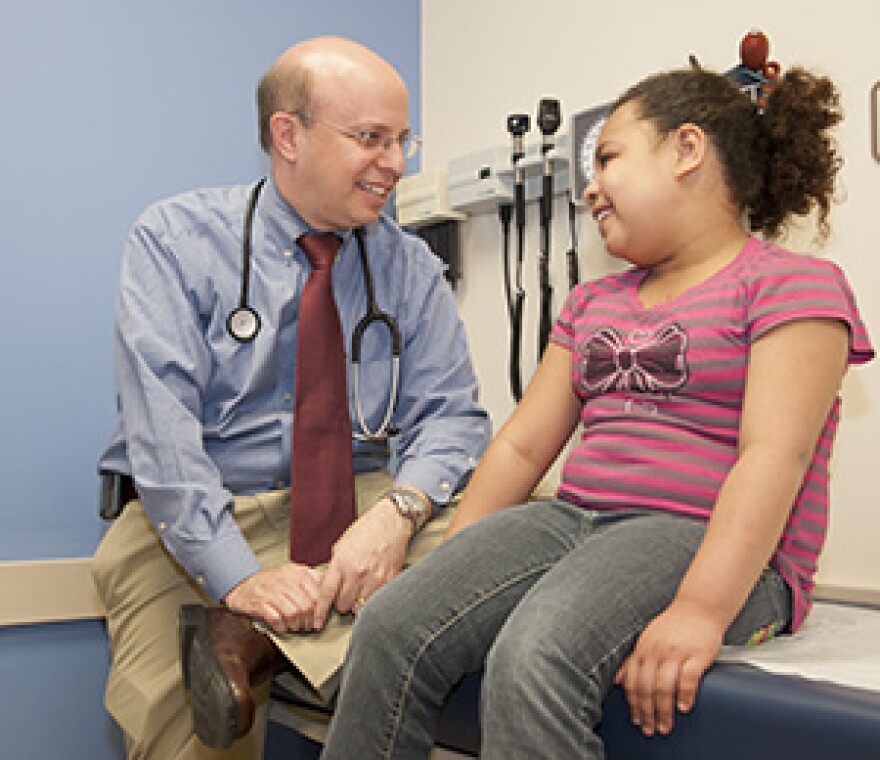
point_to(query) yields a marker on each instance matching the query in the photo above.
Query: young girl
(694, 504)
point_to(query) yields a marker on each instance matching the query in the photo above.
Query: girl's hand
(663, 672)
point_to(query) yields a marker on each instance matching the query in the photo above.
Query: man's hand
(368, 555)
(283, 597)
(663, 672)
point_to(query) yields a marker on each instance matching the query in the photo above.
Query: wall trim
(47, 591)
(863, 597)
(55, 590)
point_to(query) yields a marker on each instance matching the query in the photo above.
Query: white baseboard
(864, 597)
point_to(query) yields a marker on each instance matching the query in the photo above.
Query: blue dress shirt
(203, 417)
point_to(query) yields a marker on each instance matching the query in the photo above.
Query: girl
(693, 505)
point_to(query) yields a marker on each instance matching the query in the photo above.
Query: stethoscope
(243, 325)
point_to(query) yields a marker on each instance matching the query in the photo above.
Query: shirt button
(472, 462)
(200, 579)
(444, 485)
(288, 397)
(163, 525)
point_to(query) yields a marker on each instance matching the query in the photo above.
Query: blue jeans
(550, 598)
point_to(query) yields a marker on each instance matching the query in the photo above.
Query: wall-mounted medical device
(549, 120)
(422, 199)
(533, 167)
(583, 130)
(481, 181)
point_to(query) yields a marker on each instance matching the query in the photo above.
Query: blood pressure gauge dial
(584, 130)
(588, 150)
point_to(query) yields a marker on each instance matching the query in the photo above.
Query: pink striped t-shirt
(662, 391)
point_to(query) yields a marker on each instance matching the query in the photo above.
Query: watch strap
(410, 504)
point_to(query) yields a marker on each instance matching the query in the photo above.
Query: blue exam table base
(741, 712)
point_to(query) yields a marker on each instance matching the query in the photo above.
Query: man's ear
(691, 144)
(284, 128)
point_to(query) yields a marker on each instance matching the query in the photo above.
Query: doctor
(206, 399)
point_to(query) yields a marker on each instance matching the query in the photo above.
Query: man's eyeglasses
(370, 139)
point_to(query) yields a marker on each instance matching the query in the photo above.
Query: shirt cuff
(438, 482)
(217, 567)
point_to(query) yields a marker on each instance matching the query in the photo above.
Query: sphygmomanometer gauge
(584, 130)
(588, 150)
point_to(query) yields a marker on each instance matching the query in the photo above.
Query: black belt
(116, 491)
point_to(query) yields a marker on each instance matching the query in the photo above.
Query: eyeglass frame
(369, 139)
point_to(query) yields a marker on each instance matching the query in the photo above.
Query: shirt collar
(281, 221)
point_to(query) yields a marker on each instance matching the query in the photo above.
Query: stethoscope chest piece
(243, 324)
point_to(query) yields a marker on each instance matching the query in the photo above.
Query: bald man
(203, 441)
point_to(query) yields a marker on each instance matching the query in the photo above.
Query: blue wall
(108, 105)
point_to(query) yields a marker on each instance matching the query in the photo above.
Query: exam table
(812, 696)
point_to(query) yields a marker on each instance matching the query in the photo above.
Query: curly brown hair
(780, 160)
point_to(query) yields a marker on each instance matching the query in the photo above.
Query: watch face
(412, 504)
(584, 131)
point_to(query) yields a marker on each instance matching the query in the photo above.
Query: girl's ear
(691, 144)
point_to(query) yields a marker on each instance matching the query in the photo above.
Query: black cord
(514, 302)
(545, 316)
(519, 203)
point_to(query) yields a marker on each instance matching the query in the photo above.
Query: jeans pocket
(766, 613)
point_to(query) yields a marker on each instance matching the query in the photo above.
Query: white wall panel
(482, 60)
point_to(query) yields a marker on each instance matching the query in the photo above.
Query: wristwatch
(412, 506)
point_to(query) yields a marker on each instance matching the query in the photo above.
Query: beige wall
(483, 59)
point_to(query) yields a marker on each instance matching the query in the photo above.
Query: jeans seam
(627, 640)
(480, 598)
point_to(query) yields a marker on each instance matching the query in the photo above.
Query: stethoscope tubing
(374, 314)
(243, 325)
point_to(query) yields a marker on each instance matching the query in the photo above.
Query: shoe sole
(191, 618)
(212, 698)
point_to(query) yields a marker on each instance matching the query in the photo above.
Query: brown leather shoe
(223, 657)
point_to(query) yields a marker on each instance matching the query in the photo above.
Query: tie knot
(320, 247)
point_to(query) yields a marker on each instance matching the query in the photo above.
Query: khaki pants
(142, 589)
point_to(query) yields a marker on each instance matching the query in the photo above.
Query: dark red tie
(322, 502)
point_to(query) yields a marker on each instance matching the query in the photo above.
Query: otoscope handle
(574, 275)
(519, 205)
(515, 345)
(544, 329)
(545, 316)
(547, 200)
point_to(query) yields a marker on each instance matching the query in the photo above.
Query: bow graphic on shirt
(652, 362)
